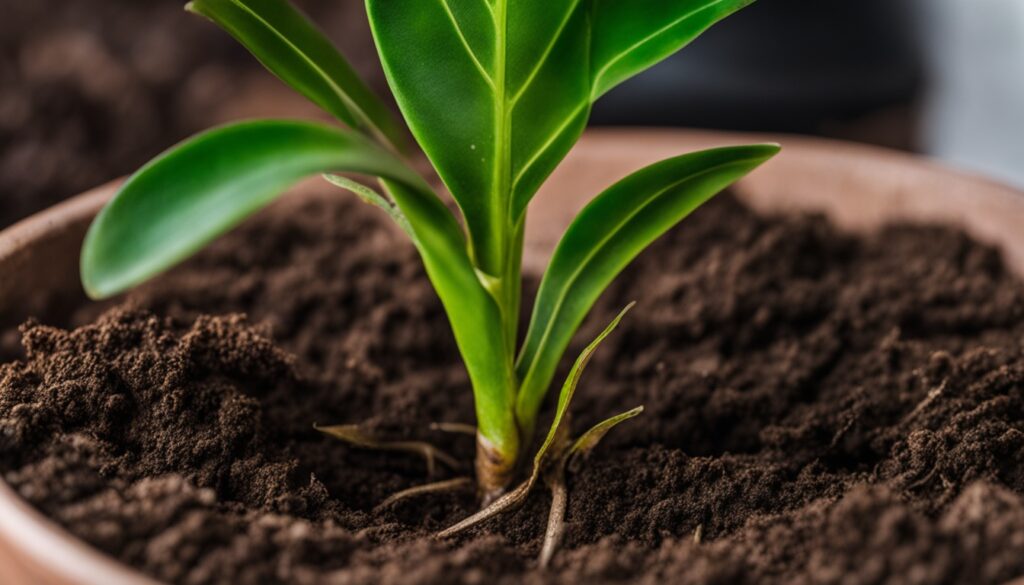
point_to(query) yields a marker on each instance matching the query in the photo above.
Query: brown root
(508, 501)
(457, 428)
(555, 480)
(438, 487)
(354, 436)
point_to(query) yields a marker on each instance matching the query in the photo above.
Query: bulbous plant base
(494, 471)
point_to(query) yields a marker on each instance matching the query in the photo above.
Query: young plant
(495, 92)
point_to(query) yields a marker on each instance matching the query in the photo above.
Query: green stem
(498, 450)
(512, 288)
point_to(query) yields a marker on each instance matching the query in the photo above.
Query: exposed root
(448, 485)
(458, 428)
(508, 501)
(555, 480)
(352, 435)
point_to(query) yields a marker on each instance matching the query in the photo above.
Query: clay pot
(858, 187)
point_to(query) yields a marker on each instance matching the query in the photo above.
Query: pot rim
(44, 544)
(26, 530)
(81, 207)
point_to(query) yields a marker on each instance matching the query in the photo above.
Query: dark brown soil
(822, 408)
(91, 90)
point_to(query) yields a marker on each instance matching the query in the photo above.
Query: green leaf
(632, 35)
(495, 91)
(606, 235)
(184, 198)
(371, 197)
(295, 51)
(187, 196)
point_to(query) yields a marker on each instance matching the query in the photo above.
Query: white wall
(974, 115)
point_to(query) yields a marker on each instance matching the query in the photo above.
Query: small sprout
(514, 82)
(555, 479)
(555, 450)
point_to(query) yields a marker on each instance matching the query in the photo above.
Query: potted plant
(526, 80)
(183, 199)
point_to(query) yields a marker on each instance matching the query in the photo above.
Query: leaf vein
(547, 143)
(465, 43)
(650, 38)
(547, 53)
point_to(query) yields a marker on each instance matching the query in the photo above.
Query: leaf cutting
(495, 94)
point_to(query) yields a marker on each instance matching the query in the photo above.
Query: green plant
(495, 92)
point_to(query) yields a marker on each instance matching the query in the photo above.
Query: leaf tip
(92, 291)
(194, 7)
(770, 149)
(763, 152)
(619, 317)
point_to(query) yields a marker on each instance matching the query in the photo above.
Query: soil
(89, 91)
(821, 408)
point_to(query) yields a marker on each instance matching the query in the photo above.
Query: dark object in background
(804, 66)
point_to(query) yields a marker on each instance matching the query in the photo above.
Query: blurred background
(90, 89)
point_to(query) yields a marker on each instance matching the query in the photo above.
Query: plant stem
(512, 286)
(498, 440)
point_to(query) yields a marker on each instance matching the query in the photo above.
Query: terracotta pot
(859, 187)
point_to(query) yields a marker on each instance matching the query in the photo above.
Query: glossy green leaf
(495, 91)
(295, 51)
(630, 36)
(606, 235)
(187, 196)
